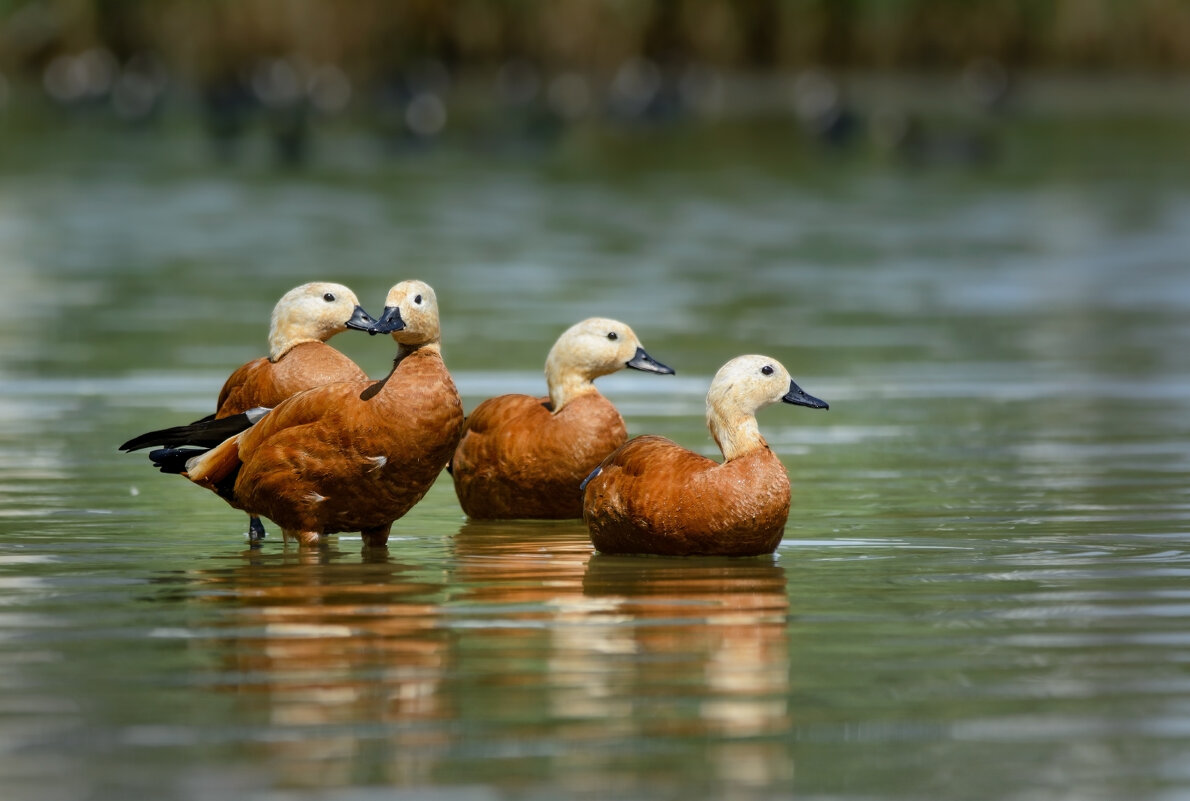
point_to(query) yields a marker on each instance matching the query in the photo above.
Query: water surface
(982, 592)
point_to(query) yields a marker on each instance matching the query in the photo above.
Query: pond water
(984, 587)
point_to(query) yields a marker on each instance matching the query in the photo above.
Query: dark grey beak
(798, 397)
(389, 321)
(361, 320)
(643, 361)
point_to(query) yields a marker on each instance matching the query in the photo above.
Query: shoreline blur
(527, 72)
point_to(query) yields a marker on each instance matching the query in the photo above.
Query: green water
(982, 592)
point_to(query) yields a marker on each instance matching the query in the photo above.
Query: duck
(299, 358)
(349, 456)
(652, 496)
(524, 457)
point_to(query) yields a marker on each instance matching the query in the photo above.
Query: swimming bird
(653, 496)
(302, 321)
(523, 456)
(349, 456)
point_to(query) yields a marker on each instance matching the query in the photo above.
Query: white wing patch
(314, 497)
(378, 461)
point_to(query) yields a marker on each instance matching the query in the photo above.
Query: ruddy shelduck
(349, 456)
(299, 358)
(523, 456)
(653, 496)
(302, 321)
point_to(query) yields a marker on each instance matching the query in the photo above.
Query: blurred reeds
(524, 73)
(197, 39)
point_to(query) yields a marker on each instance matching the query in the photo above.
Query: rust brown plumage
(302, 321)
(263, 382)
(519, 460)
(653, 496)
(350, 456)
(525, 457)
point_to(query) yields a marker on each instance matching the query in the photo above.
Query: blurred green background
(414, 71)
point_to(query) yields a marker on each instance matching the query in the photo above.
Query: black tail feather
(173, 460)
(205, 433)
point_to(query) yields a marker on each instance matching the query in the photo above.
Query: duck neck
(565, 385)
(404, 350)
(279, 345)
(736, 433)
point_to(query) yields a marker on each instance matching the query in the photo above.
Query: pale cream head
(418, 306)
(742, 387)
(594, 347)
(312, 312)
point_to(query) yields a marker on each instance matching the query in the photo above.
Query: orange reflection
(713, 626)
(535, 561)
(619, 629)
(324, 647)
(405, 672)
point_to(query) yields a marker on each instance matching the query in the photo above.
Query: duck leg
(376, 537)
(256, 531)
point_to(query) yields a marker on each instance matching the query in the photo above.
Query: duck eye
(329, 297)
(612, 335)
(767, 369)
(417, 300)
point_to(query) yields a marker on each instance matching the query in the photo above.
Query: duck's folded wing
(501, 429)
(321, 404)
(650, 454)
(241, 390)
(648, 476)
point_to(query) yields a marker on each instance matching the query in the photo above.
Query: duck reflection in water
(334, 658)
(716, 624)
(511, 633)
(627, 643)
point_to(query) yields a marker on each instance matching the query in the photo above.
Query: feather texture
(262, 382)
(519, 460)
(366, 451)
(526, 457)
(653, 496)
(299, 358)
(351, 455)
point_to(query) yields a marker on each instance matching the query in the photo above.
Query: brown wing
(519, 460)
(651, 472)
(636, 500)
(496, 433)
(242, 384)
(652, 496)
(264, 383)
(221, 464)
(352, 455)
(326, 405)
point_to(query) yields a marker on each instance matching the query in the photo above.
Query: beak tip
(389, 322)
(641, 360)
(799, 397)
